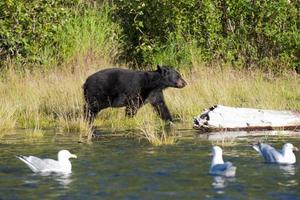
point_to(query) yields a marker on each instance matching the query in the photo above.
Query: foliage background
(141, 33)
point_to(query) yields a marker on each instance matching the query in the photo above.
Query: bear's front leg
(160, 107)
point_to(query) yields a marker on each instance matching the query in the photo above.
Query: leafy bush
(51, 32)
(89, 32)
(27, 27)
(244, 33)
(146, 26)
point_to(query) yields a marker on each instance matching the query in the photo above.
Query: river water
(123, 168)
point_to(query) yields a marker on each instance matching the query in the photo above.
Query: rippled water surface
(120, 168)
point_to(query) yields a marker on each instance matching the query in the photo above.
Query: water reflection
(221, 182)
(64, 179)
(288, 169)
(289, 172)
(288, 183)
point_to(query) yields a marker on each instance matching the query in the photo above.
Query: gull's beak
(295, 149)
(73, 156)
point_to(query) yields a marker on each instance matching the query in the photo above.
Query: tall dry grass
(211, 86)
(54, 99)
(7, 119)
(44, 100)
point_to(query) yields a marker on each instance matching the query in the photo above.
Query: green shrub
(146, 25)
(50, 32)
(244, 33)
(27, 27)
(91, 31)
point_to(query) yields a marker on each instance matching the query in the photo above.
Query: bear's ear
(162, 70)
(158, 68)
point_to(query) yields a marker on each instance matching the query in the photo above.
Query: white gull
(271, 155)
(62, 165)
(218, 167)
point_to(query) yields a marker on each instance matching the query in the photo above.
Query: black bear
(116, 87)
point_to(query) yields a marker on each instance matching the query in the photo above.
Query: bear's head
(170, 77)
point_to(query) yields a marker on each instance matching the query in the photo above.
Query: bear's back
(115, 78)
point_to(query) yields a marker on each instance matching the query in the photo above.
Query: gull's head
(216, 150)
(65, 155)
(289, 147)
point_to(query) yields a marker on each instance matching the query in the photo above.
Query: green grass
(55, 100)
(91, 34)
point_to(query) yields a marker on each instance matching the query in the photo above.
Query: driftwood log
(224, 118)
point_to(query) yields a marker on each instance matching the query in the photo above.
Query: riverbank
(54, 99)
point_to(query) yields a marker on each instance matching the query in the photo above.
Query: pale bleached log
(232, 118)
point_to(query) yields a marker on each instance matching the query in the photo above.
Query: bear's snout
(181, 83)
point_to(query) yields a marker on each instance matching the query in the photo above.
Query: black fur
(116, 87)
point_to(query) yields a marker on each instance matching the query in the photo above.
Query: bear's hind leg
(90, 114)
(130, 111)
(132, 107)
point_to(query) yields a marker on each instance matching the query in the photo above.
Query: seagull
(62, 165)
(271, 155)
(218, 167)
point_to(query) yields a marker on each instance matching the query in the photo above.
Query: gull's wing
(222, 167)
(269, 153)
(40, 165)
(226, 169)
(256, 147)
(28, 163)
